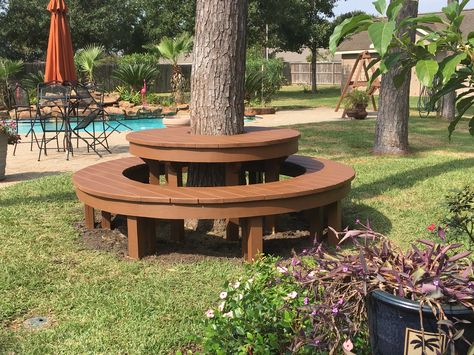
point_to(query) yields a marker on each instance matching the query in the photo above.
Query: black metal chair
(20, 103)
(51, 115)
(86, 130)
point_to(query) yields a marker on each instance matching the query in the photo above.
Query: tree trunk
(218, 78)
(447, 107)
(391, 132)
(314, 58)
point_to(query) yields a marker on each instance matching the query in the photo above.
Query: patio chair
(87, 125)
(20, 103)
(52, 116)
(88, 101)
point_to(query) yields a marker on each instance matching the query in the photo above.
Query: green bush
(459, 218)
(138, 58)
(258, 314)
(263, 79)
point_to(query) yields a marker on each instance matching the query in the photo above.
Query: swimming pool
(134, 124)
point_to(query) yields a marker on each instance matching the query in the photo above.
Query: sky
(366, 5)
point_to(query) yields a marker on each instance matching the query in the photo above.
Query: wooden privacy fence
(104, 75)
(329, 73)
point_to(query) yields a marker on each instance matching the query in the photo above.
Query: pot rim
(410, 305)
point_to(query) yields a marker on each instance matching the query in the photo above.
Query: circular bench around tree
(121, 187)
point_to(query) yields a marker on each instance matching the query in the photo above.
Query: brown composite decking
(322, 183)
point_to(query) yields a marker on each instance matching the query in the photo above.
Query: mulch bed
(292, 234)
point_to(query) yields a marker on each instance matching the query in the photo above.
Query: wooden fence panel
(104, 75)
(326, 73)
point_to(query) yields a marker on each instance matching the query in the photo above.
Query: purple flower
(314, 313)
(335, 310)
(345, 269)
(357, 221)
(341, 301)
(306, 301)
(436, 283)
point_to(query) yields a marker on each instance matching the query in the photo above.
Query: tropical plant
(263, 78)
(31, 80)
(172, 49)
(316, 302)
(133, 75)
(455, 70)
(8, 68)
(87, 60)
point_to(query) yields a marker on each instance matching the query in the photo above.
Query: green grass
(100, 303)
(294, 97)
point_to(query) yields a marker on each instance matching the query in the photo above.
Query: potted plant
(8, 135)
(419, 301)
(356, 103)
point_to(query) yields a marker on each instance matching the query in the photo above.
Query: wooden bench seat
(315, 183)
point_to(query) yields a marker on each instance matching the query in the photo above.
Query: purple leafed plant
(337, 283)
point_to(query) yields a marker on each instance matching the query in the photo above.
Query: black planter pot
(394, 326)
(359, 113)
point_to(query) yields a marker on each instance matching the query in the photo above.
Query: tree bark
(391, 132)
(218, 78)
(314, 58)
(447, 107)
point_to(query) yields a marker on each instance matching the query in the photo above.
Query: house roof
(361, 41)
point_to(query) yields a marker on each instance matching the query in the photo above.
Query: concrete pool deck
(25, 165)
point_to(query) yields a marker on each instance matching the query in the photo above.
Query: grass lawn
(100, 303)
(294, 97)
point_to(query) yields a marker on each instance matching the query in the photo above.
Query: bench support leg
(106, 221)
(334, 221)
(252, 241)
(89, 217)
(232, 178)
(316, 223)
(177, 230)
(141, 237)
(272, 174)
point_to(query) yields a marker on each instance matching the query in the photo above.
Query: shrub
(138, 58)
(87, 59)
(262, 85)
(133, 75)
(459, 219)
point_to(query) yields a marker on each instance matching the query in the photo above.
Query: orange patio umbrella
(60, 57)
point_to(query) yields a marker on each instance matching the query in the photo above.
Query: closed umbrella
(60, 57)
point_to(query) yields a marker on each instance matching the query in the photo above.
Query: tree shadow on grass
(407, 179)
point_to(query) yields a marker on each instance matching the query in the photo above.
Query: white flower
(282, 270)
(236, 285)
(229, 314)
(292, 295)
(240, 296)
(250, 280)
(223, 295)
(221, 307)
(210, 313)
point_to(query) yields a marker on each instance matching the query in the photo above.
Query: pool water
(133, 124)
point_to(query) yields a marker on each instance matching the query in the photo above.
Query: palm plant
(87, 59)
(8, 68)
(132, 75)
(172, 49)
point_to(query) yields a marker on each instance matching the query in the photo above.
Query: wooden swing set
(354, 80)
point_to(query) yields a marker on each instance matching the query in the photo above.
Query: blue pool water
(133, 124)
